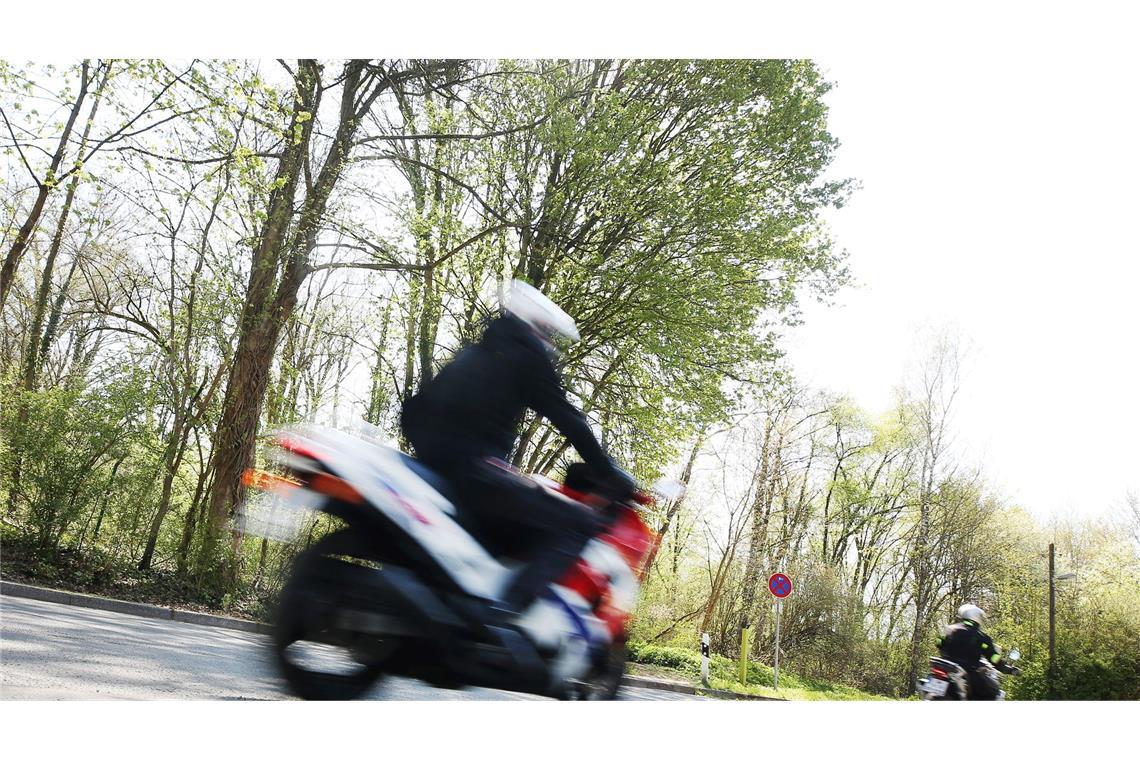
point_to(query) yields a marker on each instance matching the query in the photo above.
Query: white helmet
(543, 315)
(971, 612)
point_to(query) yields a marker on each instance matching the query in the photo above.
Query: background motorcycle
(948, 680)
(400, 586)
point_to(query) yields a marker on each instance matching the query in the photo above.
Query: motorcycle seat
(509, 547)
(429, 476)
(948, 665)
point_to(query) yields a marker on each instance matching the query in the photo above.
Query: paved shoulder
(53, 651)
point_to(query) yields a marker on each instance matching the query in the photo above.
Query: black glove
(618, 483)
(1005, 667)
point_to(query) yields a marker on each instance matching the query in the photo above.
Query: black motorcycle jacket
(473, 407)
(966, 644)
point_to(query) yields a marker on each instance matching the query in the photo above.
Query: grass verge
(676, 664)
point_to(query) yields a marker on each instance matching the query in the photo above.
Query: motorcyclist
(463, 423)
(966, 644)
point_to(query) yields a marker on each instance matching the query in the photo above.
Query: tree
(930, 414)
(667, 217)
(280, 263)
(56, 173)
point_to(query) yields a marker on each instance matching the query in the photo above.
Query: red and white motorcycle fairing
(586, 609)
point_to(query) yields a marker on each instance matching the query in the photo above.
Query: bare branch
(117, 134)
(366, 265)
(191, 161)
(455, 136)
(16, 144)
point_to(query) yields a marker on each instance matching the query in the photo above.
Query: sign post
(780, 585)
(776, 663)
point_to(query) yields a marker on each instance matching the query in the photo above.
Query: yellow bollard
(744, 654)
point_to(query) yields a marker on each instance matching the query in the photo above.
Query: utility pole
(1052, 626)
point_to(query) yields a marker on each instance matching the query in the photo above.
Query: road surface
(54, 651)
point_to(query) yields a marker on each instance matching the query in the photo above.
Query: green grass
(833, 693)
(684, 665)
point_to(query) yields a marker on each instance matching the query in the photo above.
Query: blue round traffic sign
(780, 585)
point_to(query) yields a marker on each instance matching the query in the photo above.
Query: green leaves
(299, 120)
(670, 206)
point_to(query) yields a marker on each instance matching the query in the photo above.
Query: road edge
(138, 609)
(141, 609)
(684, 688)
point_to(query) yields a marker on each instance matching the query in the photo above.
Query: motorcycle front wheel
(605, 682)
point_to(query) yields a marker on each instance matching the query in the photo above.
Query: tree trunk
(24, 236)
(106, 498)
(175, 447)
(34, 350)
(234, 447)
(830, 490)
(921, 584)
(54, 318)
(195, 512)
(428, 325)
(675, 507)
(280, 266)
(759, 532)
(717, 588)
(261, 324)
(377, 396)
(260, 562)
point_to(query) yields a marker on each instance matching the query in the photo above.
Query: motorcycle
(401, 587)
(949, 681)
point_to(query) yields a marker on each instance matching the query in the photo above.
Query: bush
(724, 672)
(720, 667)
(666, 657)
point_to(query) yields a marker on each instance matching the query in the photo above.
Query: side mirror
(670, 489)
(1014, 655)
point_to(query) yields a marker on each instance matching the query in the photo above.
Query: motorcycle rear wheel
(306, 634)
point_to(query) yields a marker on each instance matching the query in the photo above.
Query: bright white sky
(999, 198)
(997, 146)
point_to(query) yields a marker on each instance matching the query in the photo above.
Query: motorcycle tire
(304, 611)
(605, 682)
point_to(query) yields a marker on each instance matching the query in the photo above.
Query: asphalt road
(54, 651)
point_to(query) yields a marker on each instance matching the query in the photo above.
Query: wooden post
(744, 651)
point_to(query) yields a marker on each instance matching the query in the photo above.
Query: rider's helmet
(542, 315)
(973, 613)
